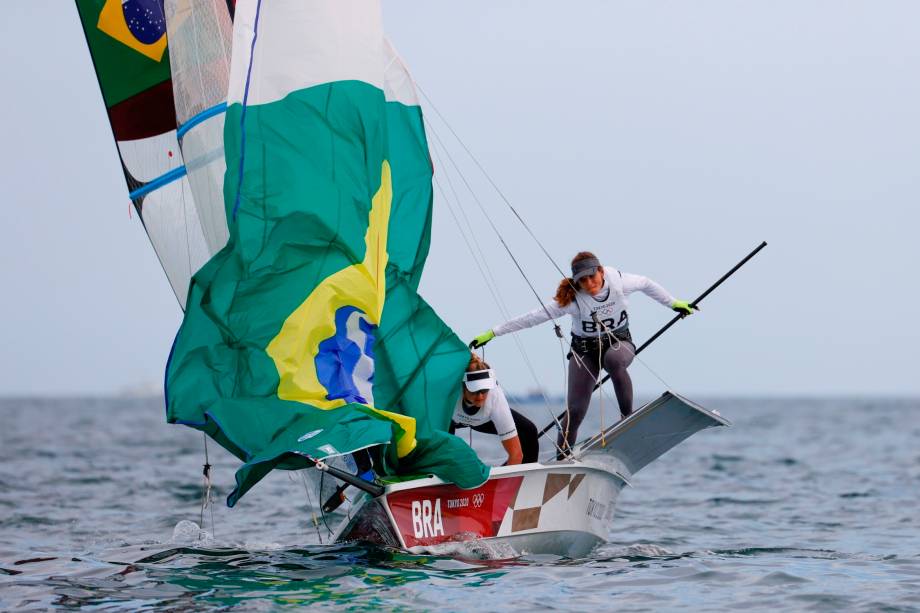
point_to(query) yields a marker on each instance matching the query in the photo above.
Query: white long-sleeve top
(608, 307)
(496, 409)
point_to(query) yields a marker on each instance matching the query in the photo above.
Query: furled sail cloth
(304, 337)
(127, 41)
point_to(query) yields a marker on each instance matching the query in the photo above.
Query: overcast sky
(668, 137)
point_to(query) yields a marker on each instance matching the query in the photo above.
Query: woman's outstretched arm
(638, 283)
(533, 318)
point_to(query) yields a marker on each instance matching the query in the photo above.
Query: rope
(493, 226)
(489, 178)
(206, 498)
(600, 397)
(656, 375)
(306, 489)
(484, 271)
(501, 195)
(511, 255)
(523, 223)
(322, 479)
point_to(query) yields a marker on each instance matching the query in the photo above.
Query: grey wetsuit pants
(583, 375)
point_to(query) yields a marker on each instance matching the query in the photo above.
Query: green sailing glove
(482, 339)
(683, 307)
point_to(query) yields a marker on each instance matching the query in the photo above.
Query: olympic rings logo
(478, 499)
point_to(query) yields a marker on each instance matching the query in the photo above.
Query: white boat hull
(562, 508)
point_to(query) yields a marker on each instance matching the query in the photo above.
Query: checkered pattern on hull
(558, 489)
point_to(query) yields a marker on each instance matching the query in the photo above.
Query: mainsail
(304, 336)
(127, 41)
(199, 33)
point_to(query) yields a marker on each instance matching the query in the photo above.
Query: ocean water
(804, 504)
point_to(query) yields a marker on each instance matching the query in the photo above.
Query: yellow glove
(683, 307)
(482, 339)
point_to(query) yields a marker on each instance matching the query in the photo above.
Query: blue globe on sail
(145, 19)
(345, 361)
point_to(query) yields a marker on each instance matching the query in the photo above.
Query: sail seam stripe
(196, 119)
(252, 54)
(164, 179)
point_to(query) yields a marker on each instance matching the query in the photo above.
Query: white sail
(199, 33)
(167, 207)
(169, 135)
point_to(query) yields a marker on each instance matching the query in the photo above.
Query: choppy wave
(801, 505)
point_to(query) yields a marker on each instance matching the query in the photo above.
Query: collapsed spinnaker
(128, 45)
(304, 336)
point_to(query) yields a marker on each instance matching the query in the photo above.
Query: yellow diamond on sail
(361, 285)
(113, 21)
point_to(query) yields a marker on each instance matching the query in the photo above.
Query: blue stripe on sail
(199, 117)
(252, 53)
(165, 179)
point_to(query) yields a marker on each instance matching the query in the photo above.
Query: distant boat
(536, 396)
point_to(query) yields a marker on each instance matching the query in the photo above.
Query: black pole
(672, 322)
(371, 488)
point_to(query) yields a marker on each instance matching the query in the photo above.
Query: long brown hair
(565, 293)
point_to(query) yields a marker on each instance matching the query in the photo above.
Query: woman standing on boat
(483, 407)
(595, 297)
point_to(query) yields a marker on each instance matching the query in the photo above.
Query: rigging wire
(306, 489)
(206, 497)
(496, 297)
(611, 336)
(322, 512)
(498, 191)
(600, 368)
(655, 374)
(489, 178)
(505, 245)
(495, 229)
(562, 341)
(484, 270)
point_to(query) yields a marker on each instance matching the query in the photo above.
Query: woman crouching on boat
(483, 407)
(595, 297)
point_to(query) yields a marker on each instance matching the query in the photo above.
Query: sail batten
(164, 179)
(196, 119)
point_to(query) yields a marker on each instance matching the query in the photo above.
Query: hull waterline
(564, 508)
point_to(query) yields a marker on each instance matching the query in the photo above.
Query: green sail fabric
(308, 321)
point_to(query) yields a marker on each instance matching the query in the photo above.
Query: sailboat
(277, 156)
(560, 507)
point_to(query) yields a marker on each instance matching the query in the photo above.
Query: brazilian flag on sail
(305, 337)
(128, 44)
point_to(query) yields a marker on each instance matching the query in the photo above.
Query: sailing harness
(593, 345)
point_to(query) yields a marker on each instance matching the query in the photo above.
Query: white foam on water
(257, 546)
(189, 533)
(475, 549)
(644, 550)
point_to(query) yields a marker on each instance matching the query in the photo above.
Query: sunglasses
(479, 392)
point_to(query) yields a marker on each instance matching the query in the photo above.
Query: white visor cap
(479, 380)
